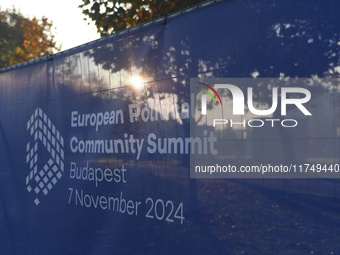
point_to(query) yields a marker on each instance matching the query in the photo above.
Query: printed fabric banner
(215, 132)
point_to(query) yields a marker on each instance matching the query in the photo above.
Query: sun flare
(137, 82)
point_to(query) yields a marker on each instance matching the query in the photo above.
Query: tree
(23, 39)
(113, 15)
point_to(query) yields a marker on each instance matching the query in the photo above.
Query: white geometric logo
(43, 177)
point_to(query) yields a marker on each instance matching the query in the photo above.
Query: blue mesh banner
(215, 132)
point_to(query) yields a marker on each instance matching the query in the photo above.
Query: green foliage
(23, 39)
(113, 15)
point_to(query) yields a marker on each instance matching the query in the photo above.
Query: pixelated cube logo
(45, 143)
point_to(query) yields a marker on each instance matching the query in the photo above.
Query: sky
(69, 27)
